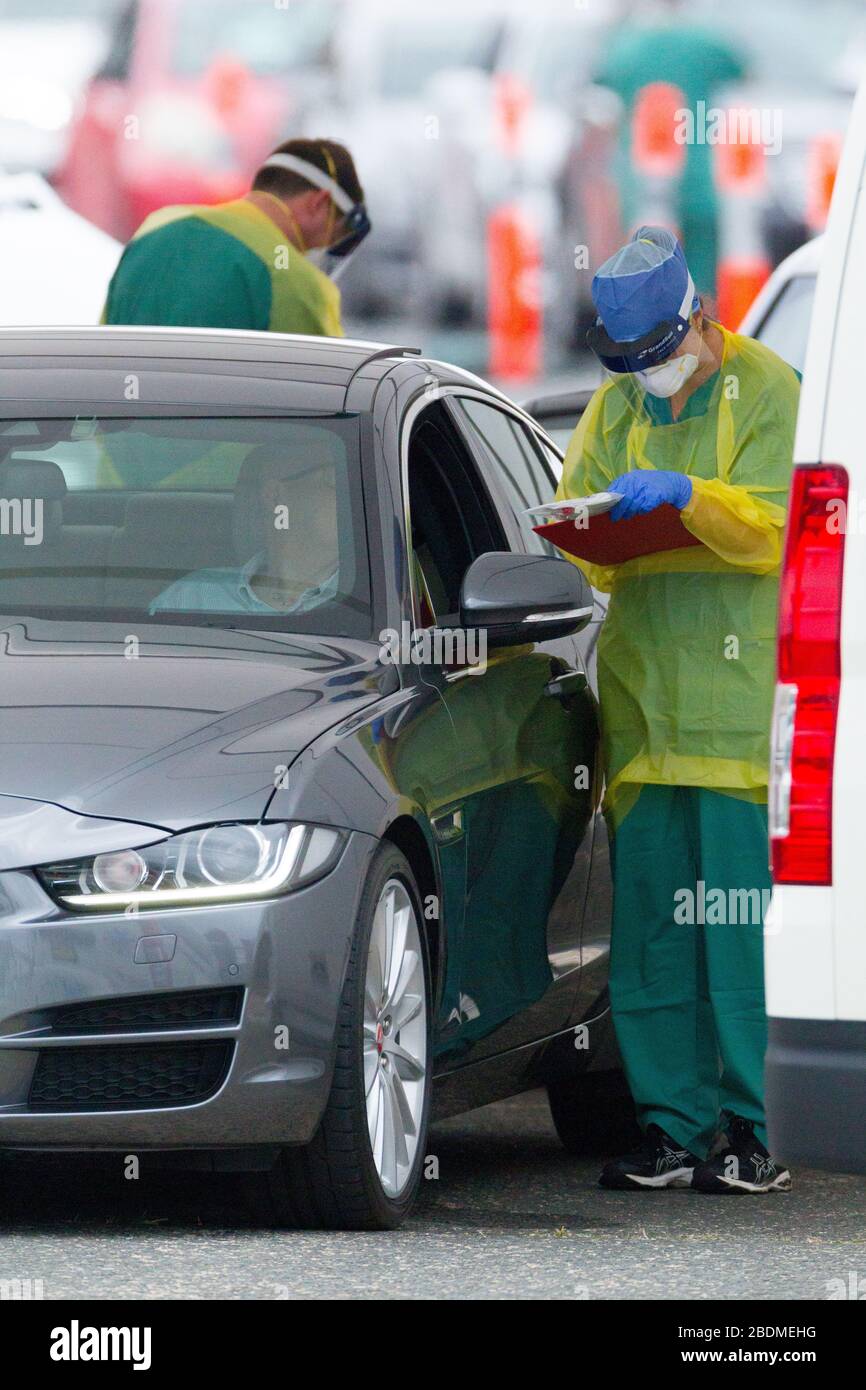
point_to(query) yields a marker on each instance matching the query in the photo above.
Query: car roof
(201, 368)
(203, 343)
(218, 371)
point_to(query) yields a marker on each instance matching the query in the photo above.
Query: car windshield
(266, 38)
(250, 523)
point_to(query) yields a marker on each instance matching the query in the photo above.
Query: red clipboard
(605, 542)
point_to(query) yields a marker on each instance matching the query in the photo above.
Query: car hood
(173, 727)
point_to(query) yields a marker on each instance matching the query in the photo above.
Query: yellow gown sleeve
(745, 530)
(740, 514)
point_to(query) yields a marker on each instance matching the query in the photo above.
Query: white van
(815, 943)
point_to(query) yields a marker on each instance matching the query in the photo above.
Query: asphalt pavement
(509, 1216)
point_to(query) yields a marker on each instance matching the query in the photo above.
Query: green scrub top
(227, 266)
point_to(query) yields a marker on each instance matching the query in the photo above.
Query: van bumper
(816, 1092)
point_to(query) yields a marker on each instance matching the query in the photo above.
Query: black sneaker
(742, 1165)
(659, 1162)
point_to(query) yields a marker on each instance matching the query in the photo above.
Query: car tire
(594, 1114)
(338, 1182)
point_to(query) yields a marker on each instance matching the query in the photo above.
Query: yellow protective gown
(686, 655)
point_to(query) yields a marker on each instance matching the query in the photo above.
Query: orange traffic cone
(513, 295)
(741, 176)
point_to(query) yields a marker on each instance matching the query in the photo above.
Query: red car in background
(191, 97)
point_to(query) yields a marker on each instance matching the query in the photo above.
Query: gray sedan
(299, 764)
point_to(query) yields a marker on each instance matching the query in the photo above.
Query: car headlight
(218, 863)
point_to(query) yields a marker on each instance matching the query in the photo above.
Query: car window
(452, 518)
(560, 429)
(232, 522)
(516, 461)
(785, 327)
(554, 462)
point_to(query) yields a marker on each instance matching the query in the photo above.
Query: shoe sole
(677, 1177)
(718, 1184)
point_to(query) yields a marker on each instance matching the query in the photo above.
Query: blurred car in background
(54, 266)
(559, 412)
(48, 50)
(385, 104)
(782, 312)
(536, 131)
(191, 97)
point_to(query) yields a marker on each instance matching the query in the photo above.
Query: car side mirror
(524, 598)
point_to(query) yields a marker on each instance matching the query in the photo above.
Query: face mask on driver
(668, 377)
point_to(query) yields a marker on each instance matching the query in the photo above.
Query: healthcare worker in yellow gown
(701, 419)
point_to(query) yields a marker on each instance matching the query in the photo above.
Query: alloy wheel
(395, 1037)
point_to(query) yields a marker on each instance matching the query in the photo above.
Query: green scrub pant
(690, 882)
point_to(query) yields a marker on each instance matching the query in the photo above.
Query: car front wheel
(363, 1168)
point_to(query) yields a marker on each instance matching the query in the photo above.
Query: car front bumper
(816, 1092)
(285, 959)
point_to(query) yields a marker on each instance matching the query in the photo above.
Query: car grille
(180, 1009)
(128, 1078)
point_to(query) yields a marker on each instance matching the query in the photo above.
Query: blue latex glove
(647, 488)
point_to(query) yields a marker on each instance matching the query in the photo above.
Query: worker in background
(662, 43)
(702, 420)
(266, 261)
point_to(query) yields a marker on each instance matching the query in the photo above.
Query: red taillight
(807, 697)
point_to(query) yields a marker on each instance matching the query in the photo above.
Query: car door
(526, 729)
(521, 460)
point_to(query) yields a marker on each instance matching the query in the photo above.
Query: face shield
(659, 363)
(333, 259)
(649, 332)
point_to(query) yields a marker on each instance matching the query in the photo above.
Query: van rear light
(807, 692)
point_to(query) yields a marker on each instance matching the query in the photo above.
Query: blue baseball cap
(644, 296)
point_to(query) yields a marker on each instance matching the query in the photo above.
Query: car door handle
(569, 683)
(449, 826)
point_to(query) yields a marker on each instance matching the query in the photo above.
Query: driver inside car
(285, 520)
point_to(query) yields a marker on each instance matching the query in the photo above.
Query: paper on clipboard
(573, 508)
